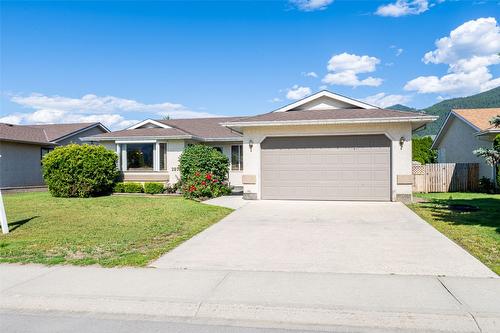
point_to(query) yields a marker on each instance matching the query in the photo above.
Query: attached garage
(329, 147)
(341, 167)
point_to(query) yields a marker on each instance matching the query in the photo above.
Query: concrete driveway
(336, 237)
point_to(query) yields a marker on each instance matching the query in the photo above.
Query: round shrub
(154, 188)
(80, 171)
(203, 159)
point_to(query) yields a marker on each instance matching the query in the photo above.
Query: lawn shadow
(14, 225)
(488, 213)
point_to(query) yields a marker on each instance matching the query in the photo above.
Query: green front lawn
(478, 232)
(109, 231)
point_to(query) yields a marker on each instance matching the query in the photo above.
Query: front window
(163, 156)
(237, 157)
(140, 156)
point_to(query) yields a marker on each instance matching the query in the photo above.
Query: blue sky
(118, 62)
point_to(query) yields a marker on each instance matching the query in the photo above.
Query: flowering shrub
(204, 172)
(203, 159)
(204, 186)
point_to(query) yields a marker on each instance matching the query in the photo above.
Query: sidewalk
(274, 299)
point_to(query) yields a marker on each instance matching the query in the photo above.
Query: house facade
(22, 148)
(464, 131)
(323, 147)
(149, 151)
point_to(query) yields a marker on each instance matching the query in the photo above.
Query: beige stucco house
(464, 131)
(323, 147)
(23, 146)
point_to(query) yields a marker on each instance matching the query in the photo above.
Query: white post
(124, 157)
(156, 157)
(119, 153)
(3, 217)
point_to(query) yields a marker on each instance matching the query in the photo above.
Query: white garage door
(327, 168)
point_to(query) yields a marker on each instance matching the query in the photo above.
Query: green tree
(422, 151)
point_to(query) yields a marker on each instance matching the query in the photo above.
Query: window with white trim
(237, 157)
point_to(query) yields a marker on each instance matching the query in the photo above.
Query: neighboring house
(464, 131)
(23, 146)
(323, 147)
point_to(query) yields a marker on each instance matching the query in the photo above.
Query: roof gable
(478, 119)
(149, 123)
(325, 100)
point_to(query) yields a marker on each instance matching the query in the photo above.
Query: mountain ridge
(486, 99)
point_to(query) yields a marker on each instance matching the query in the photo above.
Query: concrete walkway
(268, 299)
(323, 236)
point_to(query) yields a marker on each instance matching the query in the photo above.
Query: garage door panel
(326, 168)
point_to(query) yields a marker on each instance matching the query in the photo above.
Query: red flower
(192, 188)
(215, 181)
(203, 183)
(208, 176)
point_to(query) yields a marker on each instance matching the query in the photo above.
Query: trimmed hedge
(154, 188)
(119, 187)
(133, 188)
(80, 171)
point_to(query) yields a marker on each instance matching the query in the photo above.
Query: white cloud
(344, 69)
(398, 50)
(11, 119)
(403, 8)
(275, 100)
(479, 37)
(298, 92)
(311, 5)
(310, 74)
(383, 100)
(89, 108)
(468, 51)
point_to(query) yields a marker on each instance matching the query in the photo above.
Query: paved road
(324, 236)
(16, 322)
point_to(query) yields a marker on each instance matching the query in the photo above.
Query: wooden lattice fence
(446, 177)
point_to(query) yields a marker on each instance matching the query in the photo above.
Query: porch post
(119, 153)
(124, 156)
(156, 157)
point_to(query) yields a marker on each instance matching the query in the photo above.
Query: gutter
(49, 143)
(330, 121)
(132, 138)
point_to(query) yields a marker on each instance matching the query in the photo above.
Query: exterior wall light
(250, 144)
(402, 141)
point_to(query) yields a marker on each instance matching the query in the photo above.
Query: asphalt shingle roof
(208, 128)
(335, 114)
(20, 133)
(479, 117)
(143, 132)
(56, 131)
